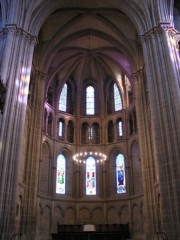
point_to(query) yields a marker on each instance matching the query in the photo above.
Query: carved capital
(18, 33)
(24, 34)
(10, 30)
(2, 34)
(160, 29)
(33, 40)
(41, 75)
(165, 26)
(138, 75)
(14, 31)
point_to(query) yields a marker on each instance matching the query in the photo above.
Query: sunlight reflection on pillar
(23, 85)
(171, 45)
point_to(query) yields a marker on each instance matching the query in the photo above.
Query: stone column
(129, 173)
(104, 182)
(65, 130)
(146, 152)
(115, 130)
(33, 156)
(162, 74)
(15, 72)
(76, 184)
(78, 131)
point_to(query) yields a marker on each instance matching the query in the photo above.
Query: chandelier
(81, 157)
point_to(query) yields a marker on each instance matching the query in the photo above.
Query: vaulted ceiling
(88, 41)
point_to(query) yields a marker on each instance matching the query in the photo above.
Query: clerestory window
(117, 98)
(61, 128)
(119, 128)
(63, 99)
(90, 176)
(90, 100)
(61, 174)
(120, 174)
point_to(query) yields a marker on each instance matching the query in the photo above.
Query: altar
(92, 232)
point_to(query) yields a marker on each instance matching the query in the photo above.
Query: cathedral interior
(90, 118)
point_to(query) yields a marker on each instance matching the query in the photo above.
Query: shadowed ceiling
(88, 40)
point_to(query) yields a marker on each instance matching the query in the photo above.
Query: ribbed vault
(82, 43)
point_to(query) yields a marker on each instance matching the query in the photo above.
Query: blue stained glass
(63, 99)
(120, 174)
(61, 174)
(90, 100)
(90, 176)
(117, 99)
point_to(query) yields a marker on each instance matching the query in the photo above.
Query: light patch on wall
(23, 85)
(171, 45)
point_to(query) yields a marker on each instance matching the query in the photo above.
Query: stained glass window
(120, 174)
(90, 176)
(120, 133)
(90, 133)
(90, 100)
(117, 99)
(63, 99)
(60, 128)
(61, 174)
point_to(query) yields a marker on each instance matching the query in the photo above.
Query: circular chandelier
(82, 156)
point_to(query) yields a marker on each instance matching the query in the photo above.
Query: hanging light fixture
(82, 156)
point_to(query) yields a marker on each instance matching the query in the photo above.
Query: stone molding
(161, 28)
(14, 31)
(138, 74)
(40, 75)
